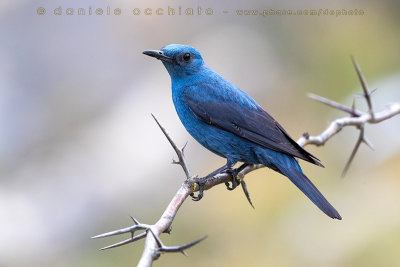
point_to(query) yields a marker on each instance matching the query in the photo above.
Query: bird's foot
(200, 182)
(236, 179)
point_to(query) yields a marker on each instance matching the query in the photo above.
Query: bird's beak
(158, 55)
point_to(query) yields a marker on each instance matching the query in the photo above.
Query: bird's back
(208, 98)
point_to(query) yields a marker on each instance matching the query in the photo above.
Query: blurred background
(79, 151)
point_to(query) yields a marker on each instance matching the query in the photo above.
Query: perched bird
(230, 123)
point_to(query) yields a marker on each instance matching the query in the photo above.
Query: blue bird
(230, 123)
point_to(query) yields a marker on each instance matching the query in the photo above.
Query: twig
(246, 192)
(364, 86)
(355, 149)
(351, 110)
(163, 248)
(179, 152)
(338, 124)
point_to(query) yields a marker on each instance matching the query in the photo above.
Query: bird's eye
(186, 57)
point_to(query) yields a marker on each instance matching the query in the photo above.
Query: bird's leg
(218, 171)
(234, 173)
(201, 182)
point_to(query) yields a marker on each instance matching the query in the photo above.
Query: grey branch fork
(154, 247)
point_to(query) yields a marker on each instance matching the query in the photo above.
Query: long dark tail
(292, 170)
(307, 187)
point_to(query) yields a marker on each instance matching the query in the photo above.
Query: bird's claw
(200, 182)
(230, 188)
(235, 179)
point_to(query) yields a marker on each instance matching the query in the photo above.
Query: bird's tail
(296, 175)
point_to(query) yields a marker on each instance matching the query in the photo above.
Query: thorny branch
(153, 245)
(179, 152)
(357, 119)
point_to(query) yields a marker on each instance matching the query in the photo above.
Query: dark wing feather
(255, 125)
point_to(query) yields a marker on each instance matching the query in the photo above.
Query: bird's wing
(253, 124)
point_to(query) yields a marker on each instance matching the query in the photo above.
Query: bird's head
(181, 61)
